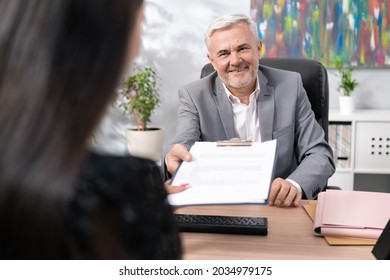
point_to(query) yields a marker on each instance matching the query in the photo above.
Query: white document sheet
(225, 175)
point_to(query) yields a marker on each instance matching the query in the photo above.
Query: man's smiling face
(234, 52)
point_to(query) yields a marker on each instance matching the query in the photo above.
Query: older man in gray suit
(257, 103)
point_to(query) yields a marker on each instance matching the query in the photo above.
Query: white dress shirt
(246, 121)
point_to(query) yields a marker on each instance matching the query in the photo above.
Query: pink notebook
(352, 214)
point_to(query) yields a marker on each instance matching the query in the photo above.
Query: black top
(119, 211)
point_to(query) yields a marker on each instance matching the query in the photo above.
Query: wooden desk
(289, 237)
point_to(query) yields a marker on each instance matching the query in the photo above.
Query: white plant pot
(347, 104)
(146, 144)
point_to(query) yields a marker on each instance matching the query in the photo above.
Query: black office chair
(315, 83)
(314, 78)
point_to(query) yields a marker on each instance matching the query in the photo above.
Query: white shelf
(361, 115)
(369, 158)
(344, 170)
(371, 171)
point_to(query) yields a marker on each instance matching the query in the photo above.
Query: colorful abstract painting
(354, 31)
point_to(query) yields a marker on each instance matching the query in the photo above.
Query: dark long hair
(60, 62)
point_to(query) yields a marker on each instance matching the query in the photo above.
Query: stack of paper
(224, 175)
(354, 214)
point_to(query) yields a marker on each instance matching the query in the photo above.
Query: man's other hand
(283, 193)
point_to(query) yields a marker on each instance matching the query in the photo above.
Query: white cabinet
(361, 144)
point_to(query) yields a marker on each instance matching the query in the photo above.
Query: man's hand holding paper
(220, 175)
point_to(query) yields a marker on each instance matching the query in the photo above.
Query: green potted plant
(347, 85)
(139, 97)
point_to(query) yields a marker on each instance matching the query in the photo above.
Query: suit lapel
(224, 108)
(265, 108)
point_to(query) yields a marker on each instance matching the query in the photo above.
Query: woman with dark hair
(60, 64)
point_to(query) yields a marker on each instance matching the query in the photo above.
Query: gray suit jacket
(205, 114)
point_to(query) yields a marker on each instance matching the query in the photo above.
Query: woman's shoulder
(119, 169)
(120, 180)
(111, 163)
(124, 196)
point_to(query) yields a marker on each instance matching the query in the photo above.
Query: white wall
(372, 93)
(173, 42)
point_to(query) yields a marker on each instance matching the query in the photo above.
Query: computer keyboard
(222, 224)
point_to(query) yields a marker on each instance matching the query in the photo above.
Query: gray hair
(228, 21)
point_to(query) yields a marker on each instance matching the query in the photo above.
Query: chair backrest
(314, 78)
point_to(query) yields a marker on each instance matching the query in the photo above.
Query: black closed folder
(381, 250)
